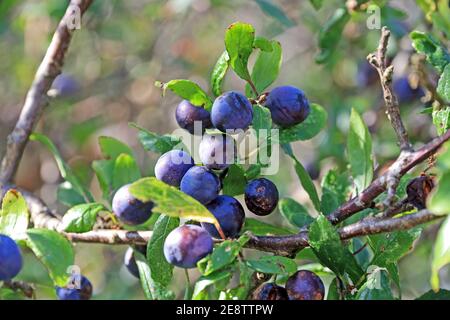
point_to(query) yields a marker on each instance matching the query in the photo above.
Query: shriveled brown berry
(418, 190)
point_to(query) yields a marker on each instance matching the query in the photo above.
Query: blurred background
(125, 46)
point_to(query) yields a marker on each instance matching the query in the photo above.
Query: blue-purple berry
(171, 166)
(186, 245)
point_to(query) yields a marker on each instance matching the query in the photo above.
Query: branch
(36, 98)
(290, 245)
(375, 226)
(378, 61)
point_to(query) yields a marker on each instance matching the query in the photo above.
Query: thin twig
(379, 62)
(36, 98)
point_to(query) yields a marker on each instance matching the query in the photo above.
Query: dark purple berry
(10, 258)
(201, 184)
(404, 92)
(186, 245)
(288, 106)
(217, 151)
(129, 259)
(79, 288)
(171, 167)
(305, 285)
(231, 111)
(64, 85)
(270, 291)
(189, 117)
(230, 215)
(129, 209)
(261, 196)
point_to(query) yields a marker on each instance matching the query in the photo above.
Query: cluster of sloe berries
(189, 243)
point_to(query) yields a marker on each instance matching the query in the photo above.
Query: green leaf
(438, 201)
(9, 294)
(260, 228)
(266, 68)
(154, 142)
(388, 248)
(219, 279)
(152, 290)
(330, 34)
(261, 118)
(104, 172)
(171, 201)
(359, 149)
(223, 255)
(111, 148)
(443, 88)
(253, 171)
(335, 190)
(294, 212)
(442, 294)
(333, 290)
(317, 4)
(271, 9)
(308, 129)
(262, 44)
(377, 287)
(161, 270)
(437, 55)
(64, 169)
(245, 283)
(441, 253)
(54, 251)
(239, 39)
(67, 195)
(441, 120)
(125, 171)
(188, 90)
(81, 218)
(304, 177)
(219, 72)
(14, 215)
(273, 265)
(234, 182)
(326, 244)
